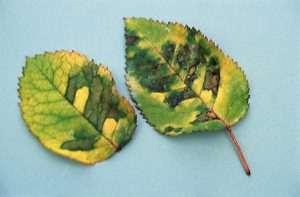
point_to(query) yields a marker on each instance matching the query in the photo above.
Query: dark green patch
(177, 130)
(170, 128)
(105, 103)
(83, 141)
(201, 117)
(192, 55)
(192, 32)
(131, 37)
(183, 55)
(123, 135)
(191, 76)
(168, 49)
(90, 72)
(92, 107)
(212, 75)
(204, 48)
(115, 114)
(198, 51)
(81, 79)
(214, 60)
(71, 89)
(152, 75)
(101, 102)
(178, 96)
(82, 145)
(160, 84)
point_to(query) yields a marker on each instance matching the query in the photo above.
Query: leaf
(73, 108)
(181, 81)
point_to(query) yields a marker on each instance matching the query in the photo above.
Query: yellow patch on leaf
(198, 82)
(109, 127)
(81, 97)
(207, 97)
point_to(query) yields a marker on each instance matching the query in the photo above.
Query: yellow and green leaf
(181, 81)
(72, 106)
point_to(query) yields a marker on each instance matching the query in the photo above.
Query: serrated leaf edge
(57, 152)
(209, 40)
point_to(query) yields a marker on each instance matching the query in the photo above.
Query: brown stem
(239, 150)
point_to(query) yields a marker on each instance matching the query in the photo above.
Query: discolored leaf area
(73, 108)
(181, 81)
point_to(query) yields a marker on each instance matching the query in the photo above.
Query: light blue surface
(263, 36)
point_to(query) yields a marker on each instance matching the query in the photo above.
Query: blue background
(263, 36)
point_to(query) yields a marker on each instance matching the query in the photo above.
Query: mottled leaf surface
(73, 108)
(181, 81)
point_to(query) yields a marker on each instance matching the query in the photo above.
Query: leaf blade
(192, 51)
(55, 117)
(203, 72)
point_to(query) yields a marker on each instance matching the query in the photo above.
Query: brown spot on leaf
(176, 97)
(182, 55)
(215, 80)
(212, 80)
(214, 90)
(211, 115)
(168, 49)
(191, 71)
(160, 84)
(131, 39)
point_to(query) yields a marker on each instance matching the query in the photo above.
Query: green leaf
(181, 81)
(73, 108)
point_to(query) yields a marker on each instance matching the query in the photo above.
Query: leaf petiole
(239, 150)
